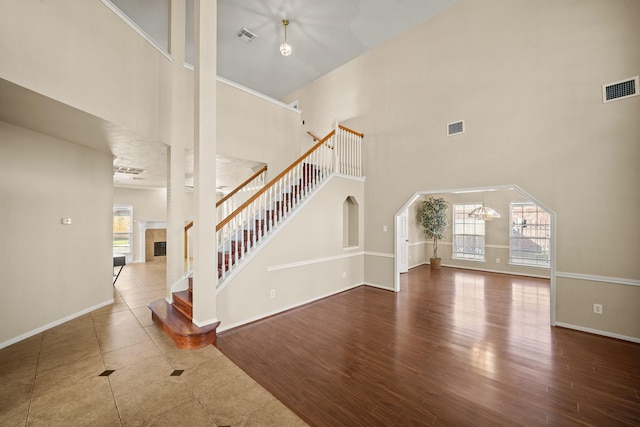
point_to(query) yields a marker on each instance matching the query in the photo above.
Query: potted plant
(434, 221)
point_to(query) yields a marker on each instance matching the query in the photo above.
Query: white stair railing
(230, 202)
(239, 234)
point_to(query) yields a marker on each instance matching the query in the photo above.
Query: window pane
(530, 240)
(468, 238)
(122, 229)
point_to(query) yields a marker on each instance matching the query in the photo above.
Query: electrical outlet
(384, 228)
(497, 260)
(273, 293)
(597, 308)
(344, 274)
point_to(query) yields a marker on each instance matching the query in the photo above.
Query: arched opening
(493, 259)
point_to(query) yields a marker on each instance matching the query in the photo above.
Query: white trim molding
(379, 254)
(312, 261)
(383, 287)
(603, 279)
(258, 94)
(223, 328)
(137, 29)
(54, 324)
(598, 332)
(205, 323)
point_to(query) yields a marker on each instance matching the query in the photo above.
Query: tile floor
(115, 367)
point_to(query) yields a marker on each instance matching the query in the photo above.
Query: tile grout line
(161, 351)
(104, 366)
(33, 384)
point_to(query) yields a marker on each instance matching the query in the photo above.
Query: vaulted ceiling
(323, 35)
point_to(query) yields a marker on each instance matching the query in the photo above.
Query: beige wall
(50, 271)
(84, 55)
(526, 77)
(250, 127)
(303, 261)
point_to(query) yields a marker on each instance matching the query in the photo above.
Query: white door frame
(552, 270)
(402, 241)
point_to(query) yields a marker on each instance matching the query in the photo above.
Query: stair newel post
(349, 142)
(336, 153)
(358, 171)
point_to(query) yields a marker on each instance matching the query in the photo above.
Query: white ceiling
(323, 34)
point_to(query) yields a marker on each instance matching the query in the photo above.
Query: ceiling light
(484, 213)
(285, 48)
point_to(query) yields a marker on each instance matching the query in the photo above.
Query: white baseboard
(598, 332)
(383, 287)
(224, 327)
(53, 324)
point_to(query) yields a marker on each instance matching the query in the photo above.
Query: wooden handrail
(273, 181)
(315, 138)
(186, 239)
(361, 135)
(221, 201)
(239, 187)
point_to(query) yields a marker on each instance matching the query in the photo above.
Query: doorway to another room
(520, 242)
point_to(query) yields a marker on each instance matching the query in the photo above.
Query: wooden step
(179, 328)
(183, 302)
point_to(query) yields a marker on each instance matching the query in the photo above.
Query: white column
(205, 259)
(176, 152)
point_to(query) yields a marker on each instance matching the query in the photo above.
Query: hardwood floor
(454, 347)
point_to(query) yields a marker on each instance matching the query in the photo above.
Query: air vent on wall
(620, 90)
(455, 128)
(246, 35)
(130, 171)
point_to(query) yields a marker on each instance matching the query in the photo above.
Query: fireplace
(159, 248)
(155, 242)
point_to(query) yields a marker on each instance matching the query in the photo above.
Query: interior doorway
(404, 259)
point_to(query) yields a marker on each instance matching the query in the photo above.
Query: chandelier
(285, 48)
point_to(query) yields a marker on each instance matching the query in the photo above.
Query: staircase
(242, 232)
(237, 237)
(175, 321)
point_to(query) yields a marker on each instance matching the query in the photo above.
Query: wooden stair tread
(183, 302)
(181, 329)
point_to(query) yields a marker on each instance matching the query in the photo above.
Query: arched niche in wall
(350, 226)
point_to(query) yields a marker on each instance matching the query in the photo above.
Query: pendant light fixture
(285, 48)
(484, 213)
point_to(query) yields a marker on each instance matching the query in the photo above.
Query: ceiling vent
(620, 90)
(246, 35)
(124, 169)
(455, 128)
